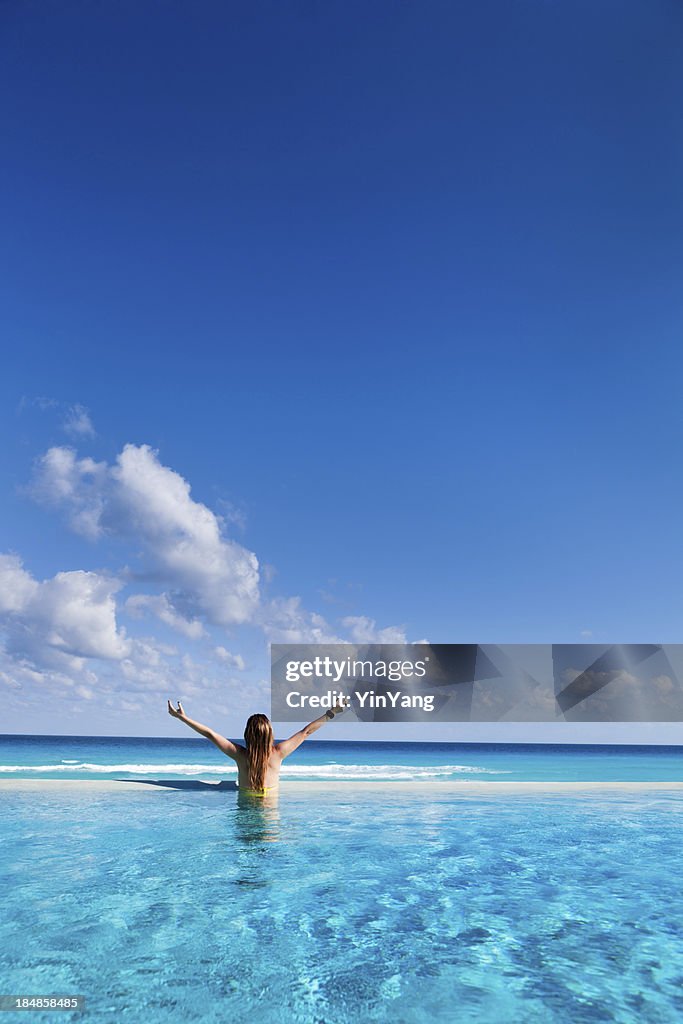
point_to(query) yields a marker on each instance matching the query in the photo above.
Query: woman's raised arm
(288, 746)
(221, 742)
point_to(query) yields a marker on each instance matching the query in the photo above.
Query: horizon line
(404, 742)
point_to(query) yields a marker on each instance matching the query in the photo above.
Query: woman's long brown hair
(258, 736)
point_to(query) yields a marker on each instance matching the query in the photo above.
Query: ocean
(112, 757)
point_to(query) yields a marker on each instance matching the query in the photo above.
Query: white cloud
(232, 513)
(183, 544)
(147, 667)
(71, 616)
(233, 660)
(16, 585)
(364, 631)
(27, 683)
(41, 402)
(286, 622)
(77, 422)
(77, 485)
(159, 605)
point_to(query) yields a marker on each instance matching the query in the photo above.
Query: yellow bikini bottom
(259, 792)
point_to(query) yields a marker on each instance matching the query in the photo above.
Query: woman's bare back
(272, 776)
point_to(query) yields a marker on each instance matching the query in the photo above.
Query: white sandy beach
(464, 787)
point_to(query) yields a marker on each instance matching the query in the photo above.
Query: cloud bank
(64, 635)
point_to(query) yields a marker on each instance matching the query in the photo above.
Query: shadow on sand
(217, 787)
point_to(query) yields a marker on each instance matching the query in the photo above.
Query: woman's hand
(176, 713)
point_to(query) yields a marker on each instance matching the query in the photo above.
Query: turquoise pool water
(184, 905)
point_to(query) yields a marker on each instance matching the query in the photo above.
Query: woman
(258, 764)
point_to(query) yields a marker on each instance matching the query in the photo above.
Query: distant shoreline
(460, 786)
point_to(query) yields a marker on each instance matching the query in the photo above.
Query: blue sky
(393, 288)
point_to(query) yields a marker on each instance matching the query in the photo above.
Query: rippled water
(179, 905)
